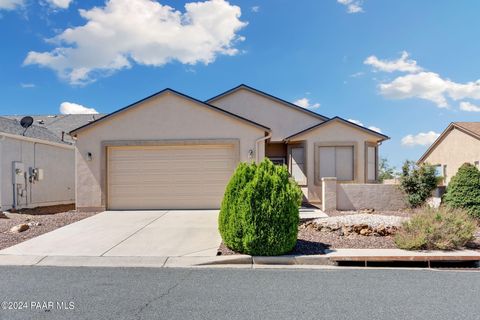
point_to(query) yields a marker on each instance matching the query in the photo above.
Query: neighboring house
(37, 165)
(458, 144)
(172, 151)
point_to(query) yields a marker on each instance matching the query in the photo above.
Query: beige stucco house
(172, 151)
(458, 144)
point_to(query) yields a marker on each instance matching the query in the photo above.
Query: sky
(407, 68)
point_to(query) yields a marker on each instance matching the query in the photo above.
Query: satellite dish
(26, 122)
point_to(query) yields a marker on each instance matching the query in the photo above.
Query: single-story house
(458, 144)
(37, 164)
(172, 151)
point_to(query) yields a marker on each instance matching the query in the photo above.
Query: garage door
(169, 177)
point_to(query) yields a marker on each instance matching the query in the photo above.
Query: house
(459, 143)
(172, 151)
(37, 165)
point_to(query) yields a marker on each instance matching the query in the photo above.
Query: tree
(463, 191)
(418, 182)
(385, 170)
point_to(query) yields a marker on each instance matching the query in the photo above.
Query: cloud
(421, 139)
(10, 4)
(467, 106)
(74, 108)
(63, 4)
(360, 123)
(353, 6)
(305, 103)
(27, 85)
(255, 9)
(145, 32)
(402, 64)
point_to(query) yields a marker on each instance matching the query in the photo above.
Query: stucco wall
(332, 133)
(369, 196)
(454, 150)
(283, 120)
(58, 164)
(165, 117)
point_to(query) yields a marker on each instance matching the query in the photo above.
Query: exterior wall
(335, 133)
(165, 117)
(454, 150)
(283, 120)
(58, 164)
(369, 196)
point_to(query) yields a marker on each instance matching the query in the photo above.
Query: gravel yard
(47, 218)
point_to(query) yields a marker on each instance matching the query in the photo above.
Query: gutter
(268, 136)
(35, 140)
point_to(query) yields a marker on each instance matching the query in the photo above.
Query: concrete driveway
(130, 233)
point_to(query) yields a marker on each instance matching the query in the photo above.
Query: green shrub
(463, 191)
(442, 229)
(417, 182)
(259, 214)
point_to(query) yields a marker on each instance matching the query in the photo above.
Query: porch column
(329, 194)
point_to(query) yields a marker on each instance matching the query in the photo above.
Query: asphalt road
(138, 293)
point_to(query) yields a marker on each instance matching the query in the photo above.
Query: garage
(169, 176)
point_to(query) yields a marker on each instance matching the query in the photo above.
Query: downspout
(268, 136)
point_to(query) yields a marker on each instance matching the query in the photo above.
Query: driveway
(172, 233)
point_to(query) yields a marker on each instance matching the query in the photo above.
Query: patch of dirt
(48, 218)
(400, 213)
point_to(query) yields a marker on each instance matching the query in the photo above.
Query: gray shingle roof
(60, 124)
(13, 126)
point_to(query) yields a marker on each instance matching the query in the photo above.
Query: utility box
(18, 172)
(37, 174)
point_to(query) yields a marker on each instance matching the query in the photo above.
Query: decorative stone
(20, 228)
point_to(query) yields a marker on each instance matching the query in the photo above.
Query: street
(144, 293)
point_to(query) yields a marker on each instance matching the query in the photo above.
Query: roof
(12, 126)
(378, 134)
(60, 124)
(470, 128)
(168, 90)
(284, 102)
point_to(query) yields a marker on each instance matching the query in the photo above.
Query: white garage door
(169, 177)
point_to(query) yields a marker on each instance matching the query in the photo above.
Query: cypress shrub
(259, 213)
(463, 191)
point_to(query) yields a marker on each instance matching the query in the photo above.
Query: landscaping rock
(3, 215)
(362, 224)
(34, 224)
(20, 228)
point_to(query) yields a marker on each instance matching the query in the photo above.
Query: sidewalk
(244, 261)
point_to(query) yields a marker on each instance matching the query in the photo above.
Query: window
(297, 165)
(336, 161)
(439, 170)
(278, 160)
(371, 163)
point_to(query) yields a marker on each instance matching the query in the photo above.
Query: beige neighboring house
(37, 165)
(172, 151)
(458, 144)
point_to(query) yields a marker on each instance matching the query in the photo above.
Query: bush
(259, 213)
(417, 182)
(443, 229)
(463, 191)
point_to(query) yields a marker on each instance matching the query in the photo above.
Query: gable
(280, 116)
(453, 145)
(181, 100)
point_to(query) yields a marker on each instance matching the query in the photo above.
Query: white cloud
(421, 139)
(467, 106)
(145, 32)
(353, 6)
(360, 123)
(402, 64)
(27, 85)
(377, 129)
(305, 103)
(255, 9)
(10, 4)
(74, 108)
(63, 4)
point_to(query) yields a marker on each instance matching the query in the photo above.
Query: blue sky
(406, 67)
